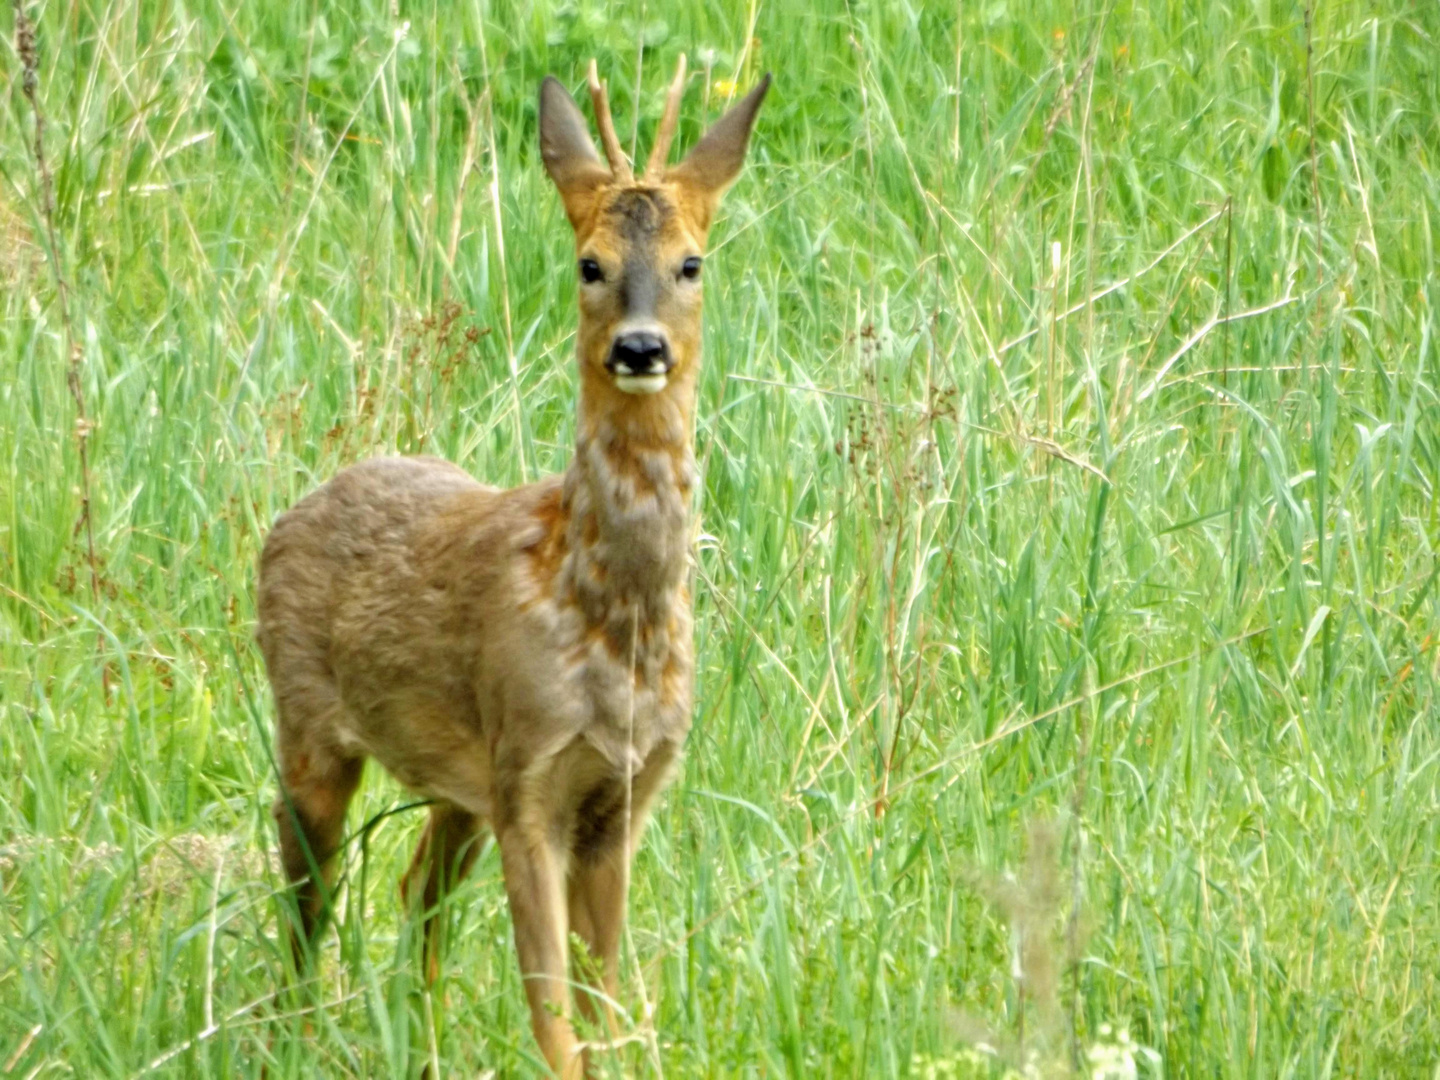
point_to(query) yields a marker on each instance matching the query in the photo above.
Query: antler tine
(619, 163)
(660, 152)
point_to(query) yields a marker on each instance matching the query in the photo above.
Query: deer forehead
(631, 221)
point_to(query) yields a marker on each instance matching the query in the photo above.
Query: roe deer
(523, 657)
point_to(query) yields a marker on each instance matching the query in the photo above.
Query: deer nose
(639, 352)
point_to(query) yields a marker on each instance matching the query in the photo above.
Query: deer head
(639, 242)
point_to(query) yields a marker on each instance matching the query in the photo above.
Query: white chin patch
(641, 384)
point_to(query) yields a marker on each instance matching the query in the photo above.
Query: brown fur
(522, 657)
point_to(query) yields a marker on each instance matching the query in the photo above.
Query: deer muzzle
(640, 361)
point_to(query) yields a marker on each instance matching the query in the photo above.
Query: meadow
(1068, 628)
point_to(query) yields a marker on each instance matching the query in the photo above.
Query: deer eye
(690, 268)
(590, 271)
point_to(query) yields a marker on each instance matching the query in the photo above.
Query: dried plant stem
(1077, 876)
(25, 46)
(1314, 160)
(1229, 209)
(487, 98)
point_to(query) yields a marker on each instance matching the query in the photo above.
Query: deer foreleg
(535, 886)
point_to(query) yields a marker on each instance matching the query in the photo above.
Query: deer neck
(627, 501)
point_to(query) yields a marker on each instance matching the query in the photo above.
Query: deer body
(521, 656)
(466, 626)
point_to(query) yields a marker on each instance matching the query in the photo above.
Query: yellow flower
(725, 86)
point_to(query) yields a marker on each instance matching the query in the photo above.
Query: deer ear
(569, 155)
(714, 162)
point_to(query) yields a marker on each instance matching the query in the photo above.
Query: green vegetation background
(1068, 627)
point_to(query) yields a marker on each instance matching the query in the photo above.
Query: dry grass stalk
(28, 51)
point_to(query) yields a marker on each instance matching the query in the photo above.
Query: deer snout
(640, 352)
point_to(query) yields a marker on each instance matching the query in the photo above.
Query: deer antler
(660, 152)
(619, 163)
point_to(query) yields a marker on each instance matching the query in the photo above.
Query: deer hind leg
(597, 886)
(316, 783)
(443, 858)
(599, 882)
(597, 890)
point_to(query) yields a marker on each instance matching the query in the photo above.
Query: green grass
(1187, 660)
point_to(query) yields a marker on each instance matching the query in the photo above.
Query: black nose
(643, 352)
